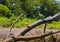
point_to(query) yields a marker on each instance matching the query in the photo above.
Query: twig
(13, 25)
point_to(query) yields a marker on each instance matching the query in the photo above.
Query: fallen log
(39, 22)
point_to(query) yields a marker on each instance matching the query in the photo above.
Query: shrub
(4, 11)
(4, 22)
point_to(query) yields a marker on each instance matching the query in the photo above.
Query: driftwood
(33, 26)
(48, 19)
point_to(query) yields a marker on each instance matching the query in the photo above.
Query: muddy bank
(4, 34)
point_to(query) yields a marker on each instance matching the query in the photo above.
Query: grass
(25, 22)
(5, 23)
(52, 25)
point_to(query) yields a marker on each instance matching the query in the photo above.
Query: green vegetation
(32, 7)
(53, 25)
(4, 11)
(5, 22)
(11, 9)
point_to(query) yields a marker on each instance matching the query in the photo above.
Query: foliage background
(11, 9)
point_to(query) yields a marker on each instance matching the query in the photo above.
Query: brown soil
(4, 31)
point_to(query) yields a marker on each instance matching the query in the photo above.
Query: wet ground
(4, 32)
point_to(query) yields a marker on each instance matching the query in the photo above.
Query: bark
(39, 22)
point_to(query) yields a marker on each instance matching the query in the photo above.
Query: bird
(41, 16)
